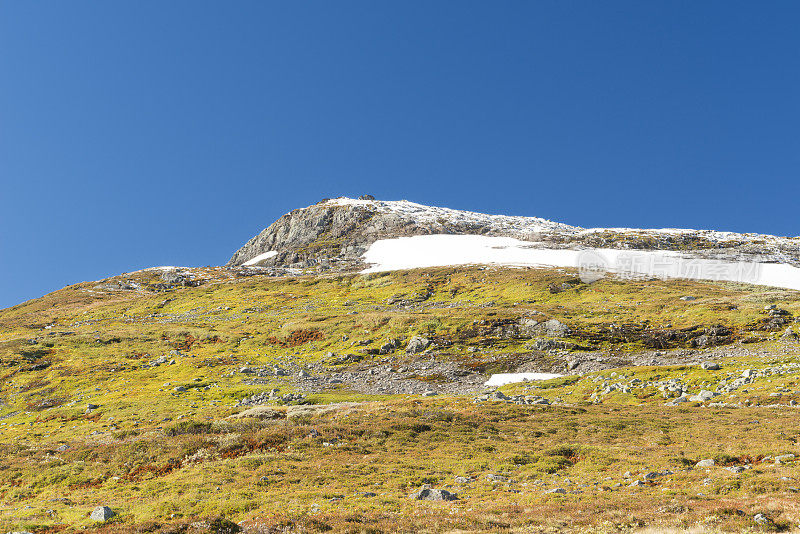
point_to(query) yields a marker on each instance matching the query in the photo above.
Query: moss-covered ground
(167, 459)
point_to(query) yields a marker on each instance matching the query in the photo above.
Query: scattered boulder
(174, 277)
(761, 519)
(703, 396)
(555, 328)
(710, 366)
(417, 344)
(102, 513)
(427, 493)
(705, 463)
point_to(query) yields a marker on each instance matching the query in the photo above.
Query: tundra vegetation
(204, 402)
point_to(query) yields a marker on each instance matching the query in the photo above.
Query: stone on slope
(703, 396)
(427, 493)
(102, 513)
(417, 345)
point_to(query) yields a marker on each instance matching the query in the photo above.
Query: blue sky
(167, 133)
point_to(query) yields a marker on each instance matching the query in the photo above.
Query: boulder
(555, 328)
(703, 396)
(427, 493)
(710, 366)
(417, 344)
(705, 463)
(102, 513)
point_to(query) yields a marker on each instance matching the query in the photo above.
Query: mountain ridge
(336, 233)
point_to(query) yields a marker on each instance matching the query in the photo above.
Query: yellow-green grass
(129, 453)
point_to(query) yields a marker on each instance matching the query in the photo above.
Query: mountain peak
(350, 234)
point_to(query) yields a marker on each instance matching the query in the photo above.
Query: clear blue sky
(149, 133)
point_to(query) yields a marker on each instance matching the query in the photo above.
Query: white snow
(260, 257)
(509, 378)
(443, 250)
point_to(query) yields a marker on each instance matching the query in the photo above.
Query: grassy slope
(137, 454)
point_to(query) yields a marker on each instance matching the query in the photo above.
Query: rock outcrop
(335, 233)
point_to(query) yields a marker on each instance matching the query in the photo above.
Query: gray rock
(417, 345)
(705, 463)
(710, 366)
(558, 491)
(555, 328)
(703, 396)
(462, 480)
(334, 235)
(174, 277)
(496, 478)
(102, 513)
(426, 493)
(761, 519)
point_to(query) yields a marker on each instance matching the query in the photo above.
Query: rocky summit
(384, 366)
(334, 234)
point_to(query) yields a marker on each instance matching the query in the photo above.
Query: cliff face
(335, 233)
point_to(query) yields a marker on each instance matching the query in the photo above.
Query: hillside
(283, 397)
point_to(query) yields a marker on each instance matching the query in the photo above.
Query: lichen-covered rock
(426, 493)
(102, 513)
(417, 344)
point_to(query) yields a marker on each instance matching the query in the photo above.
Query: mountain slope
(354, 234)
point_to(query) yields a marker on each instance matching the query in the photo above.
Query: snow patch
(260, 257)
(444, 250)
(502, 379)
